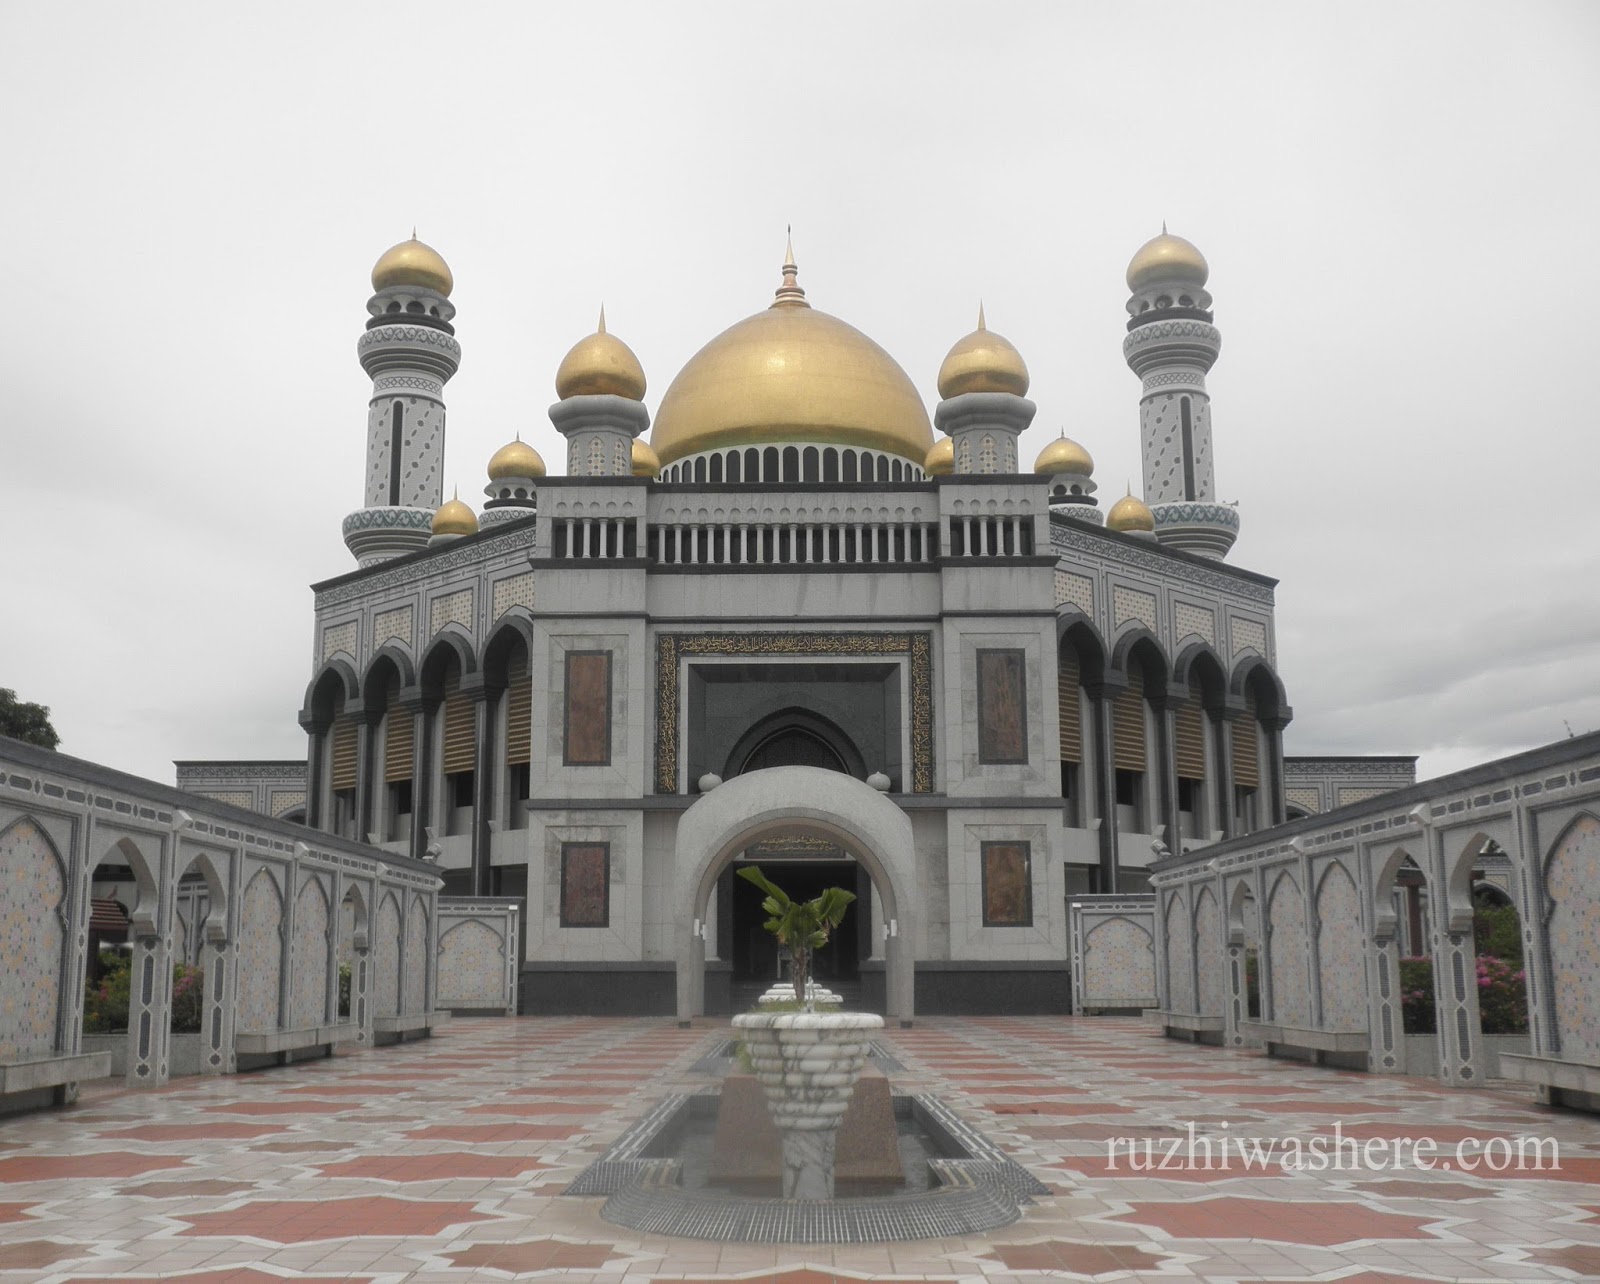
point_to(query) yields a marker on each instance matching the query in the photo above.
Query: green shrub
(106, 1001)
(344, 989)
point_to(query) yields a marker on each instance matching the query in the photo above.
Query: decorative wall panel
(32, 891)
(1002, 706)
(1007, 884)
(586, 727)
(260, 953)
(585, 884)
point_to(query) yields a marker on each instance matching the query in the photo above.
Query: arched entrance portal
(794, 801)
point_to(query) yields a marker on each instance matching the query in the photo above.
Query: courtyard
(446, 1160)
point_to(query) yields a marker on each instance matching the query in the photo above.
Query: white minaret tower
(410, 351)
(1171, 344)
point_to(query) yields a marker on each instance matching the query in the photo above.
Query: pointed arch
(33, 900)
(260, 951)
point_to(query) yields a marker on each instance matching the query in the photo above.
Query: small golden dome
(983, 362)
(1167, 258)
(454, 518)
(1130, 514)
(645, 463)
(941, 460)
(415, 264)
(516, 459)
(1063, 455)
(601, 365)
(791, 374)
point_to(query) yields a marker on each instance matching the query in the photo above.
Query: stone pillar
(1101, 695)
(316, 767)
(413, 701)
(485, 695)
(1455, 973)
(217, 956)
(1276, 808)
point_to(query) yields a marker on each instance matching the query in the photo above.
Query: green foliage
(801, 927)
(28, 722)
(1416, 996)
(106, 1002)
(1497, 931)
(344, 989)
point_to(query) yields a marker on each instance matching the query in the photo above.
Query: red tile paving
(15, 1212)
(495, 1132)
(32, 1254)
(1122, 1168)
(297, 1107)
(431, 1167)
(185, 1189)
(531, 1109)
(1400, 1189)
(1324, 1223)
(534, 1255)
(243, 1275)
(291, 1221)
(106, 1163)
(804, 1275)
(193, 1132)
(1077, 1259)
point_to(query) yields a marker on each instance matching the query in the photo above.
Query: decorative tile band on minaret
(410, 352)
(1171, 345)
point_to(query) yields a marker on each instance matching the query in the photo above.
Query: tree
(27, 722)
(800, 926)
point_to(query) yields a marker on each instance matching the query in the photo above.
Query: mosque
(792, 621)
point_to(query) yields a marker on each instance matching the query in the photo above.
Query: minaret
(410, 351)
(601, 385)
(1171, 344)
(983, 406)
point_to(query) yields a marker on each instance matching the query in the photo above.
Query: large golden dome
(1167, 258)
(791, 374)
(983, 361)
(415, 264)
(600, 364)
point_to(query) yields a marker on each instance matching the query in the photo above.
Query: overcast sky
(1398, 202)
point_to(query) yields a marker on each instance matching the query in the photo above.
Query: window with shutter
(1189, 742)
(344, 755)
(1069, 697)
(1246, 750)
(519, 712)
(1127, 725)
(398, 738)
(458, 727)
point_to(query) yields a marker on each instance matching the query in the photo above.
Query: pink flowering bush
(1502, 995)
(105, 1002)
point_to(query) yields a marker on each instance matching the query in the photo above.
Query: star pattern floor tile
(444, 1160)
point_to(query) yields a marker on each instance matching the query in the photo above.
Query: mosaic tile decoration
(32, 888)
(1574, 933)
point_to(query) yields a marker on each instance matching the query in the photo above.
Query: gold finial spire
(602, 328)
(982, 324)
(1163, 227)
(789, 294)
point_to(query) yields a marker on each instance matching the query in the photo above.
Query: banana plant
(801, 927)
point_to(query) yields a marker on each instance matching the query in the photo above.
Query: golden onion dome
(1063, 455)
(600, 365)
(645, 463)
(941, 460)
(411, 263)
(1130, 513)
(1167, 258)
(454, 518)
(791, 374)
(516, 459)
(983, 362)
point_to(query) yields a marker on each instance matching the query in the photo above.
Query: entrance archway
(794, 800)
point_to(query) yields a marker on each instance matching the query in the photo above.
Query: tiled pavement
(444, 1161)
